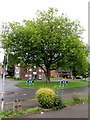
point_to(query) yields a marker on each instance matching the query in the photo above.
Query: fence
(17, 105)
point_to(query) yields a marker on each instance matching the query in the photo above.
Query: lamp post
(5, 66)
(4, 72)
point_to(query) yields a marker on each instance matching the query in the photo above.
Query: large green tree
(44, 41)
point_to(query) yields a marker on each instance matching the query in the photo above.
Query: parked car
(7, 76)
(69, 77)
(78, 77)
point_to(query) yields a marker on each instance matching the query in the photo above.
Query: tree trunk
(48, 74)
(74, 72)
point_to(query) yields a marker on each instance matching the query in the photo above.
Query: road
(10, 92)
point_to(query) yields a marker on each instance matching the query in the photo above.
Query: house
(39, 73)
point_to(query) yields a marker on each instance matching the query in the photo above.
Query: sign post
(63, 82)
(30, 82)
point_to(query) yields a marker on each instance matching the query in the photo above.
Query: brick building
(39, 73)
(30, 73)
(61, 74)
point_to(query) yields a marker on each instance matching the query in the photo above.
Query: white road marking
(24, 94)
(15, 93)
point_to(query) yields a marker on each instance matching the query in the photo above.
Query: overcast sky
(18, 10)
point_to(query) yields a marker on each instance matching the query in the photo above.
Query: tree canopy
(48, 40)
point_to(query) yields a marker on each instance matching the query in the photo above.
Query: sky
(18, 10)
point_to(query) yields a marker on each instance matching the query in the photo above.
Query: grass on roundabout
(55, 84)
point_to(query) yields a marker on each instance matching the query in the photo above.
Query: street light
(5, 61)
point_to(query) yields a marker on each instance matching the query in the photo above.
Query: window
(34, 73)
(30, 76)
(40, 70)
(17, 70)
(30, 69)
(26, 75)
(57, 76)
(43, 75)
(40, 76)
(17, 76)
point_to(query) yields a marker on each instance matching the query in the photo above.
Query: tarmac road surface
(10, 92)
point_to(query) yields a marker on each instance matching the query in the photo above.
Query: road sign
(30, 81)
(63, 82)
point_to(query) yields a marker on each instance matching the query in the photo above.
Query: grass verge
(6, 114)
(73, 101)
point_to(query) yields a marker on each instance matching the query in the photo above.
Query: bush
(76, 99)
(46, 97)
(58, 104)
(16, 78)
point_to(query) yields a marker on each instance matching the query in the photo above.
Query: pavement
(76, 111)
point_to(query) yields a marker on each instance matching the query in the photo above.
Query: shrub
(46, 97)
(76, 99)
(16, 78)
(58, 104)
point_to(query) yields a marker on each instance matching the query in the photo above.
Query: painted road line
(24, 94)
(21, 101)
(15, 93)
